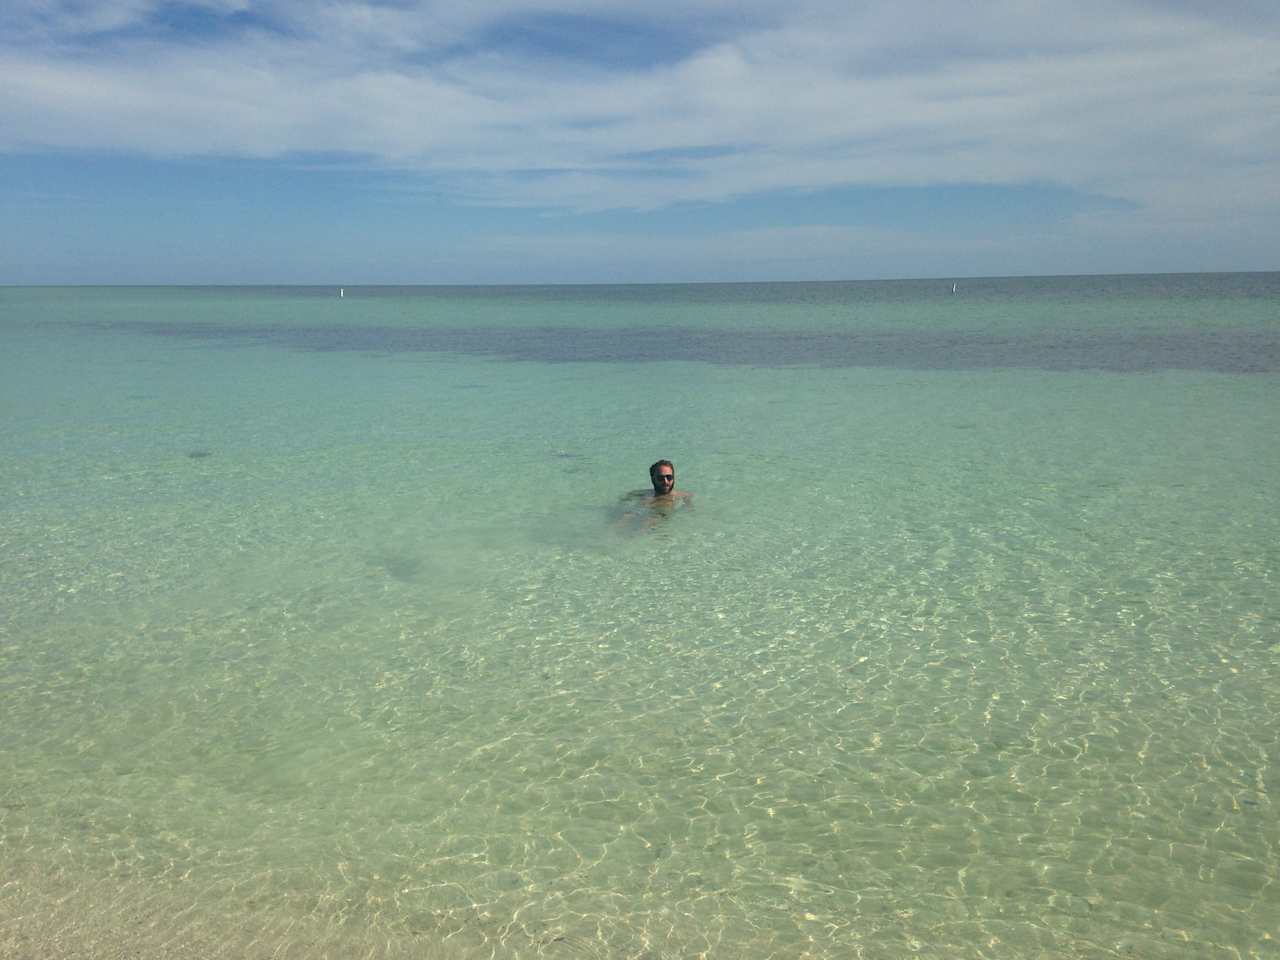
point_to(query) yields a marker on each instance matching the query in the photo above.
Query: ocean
(327, 627)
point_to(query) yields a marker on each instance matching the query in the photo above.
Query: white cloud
(1148, 102)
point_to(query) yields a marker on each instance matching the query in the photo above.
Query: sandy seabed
(49, 916)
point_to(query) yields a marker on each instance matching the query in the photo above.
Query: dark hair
(653, 470)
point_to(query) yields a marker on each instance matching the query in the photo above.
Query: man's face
(664, 479)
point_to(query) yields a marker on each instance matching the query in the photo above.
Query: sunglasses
(667, 476)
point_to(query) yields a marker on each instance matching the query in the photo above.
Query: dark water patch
(1231, 350)
(400, 566)
(199, 454)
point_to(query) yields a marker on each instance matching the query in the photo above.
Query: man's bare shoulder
(657, 499)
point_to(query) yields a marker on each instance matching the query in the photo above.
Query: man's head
(663, 477)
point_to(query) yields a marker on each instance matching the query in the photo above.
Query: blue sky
(235, 141)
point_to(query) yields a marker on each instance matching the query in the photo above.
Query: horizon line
(941, 278)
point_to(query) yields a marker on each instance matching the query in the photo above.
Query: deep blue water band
(1250, 350)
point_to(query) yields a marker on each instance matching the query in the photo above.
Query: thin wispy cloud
(597, 106)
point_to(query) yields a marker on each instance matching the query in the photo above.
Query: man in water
(663, 477)
(665, 498)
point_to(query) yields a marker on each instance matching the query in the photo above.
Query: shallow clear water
(969, 646)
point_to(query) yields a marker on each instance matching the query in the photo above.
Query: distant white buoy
(953, 288)
(342, 293)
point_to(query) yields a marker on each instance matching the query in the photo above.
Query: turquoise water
(326, 612)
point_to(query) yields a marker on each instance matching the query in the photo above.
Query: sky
(516, 141)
